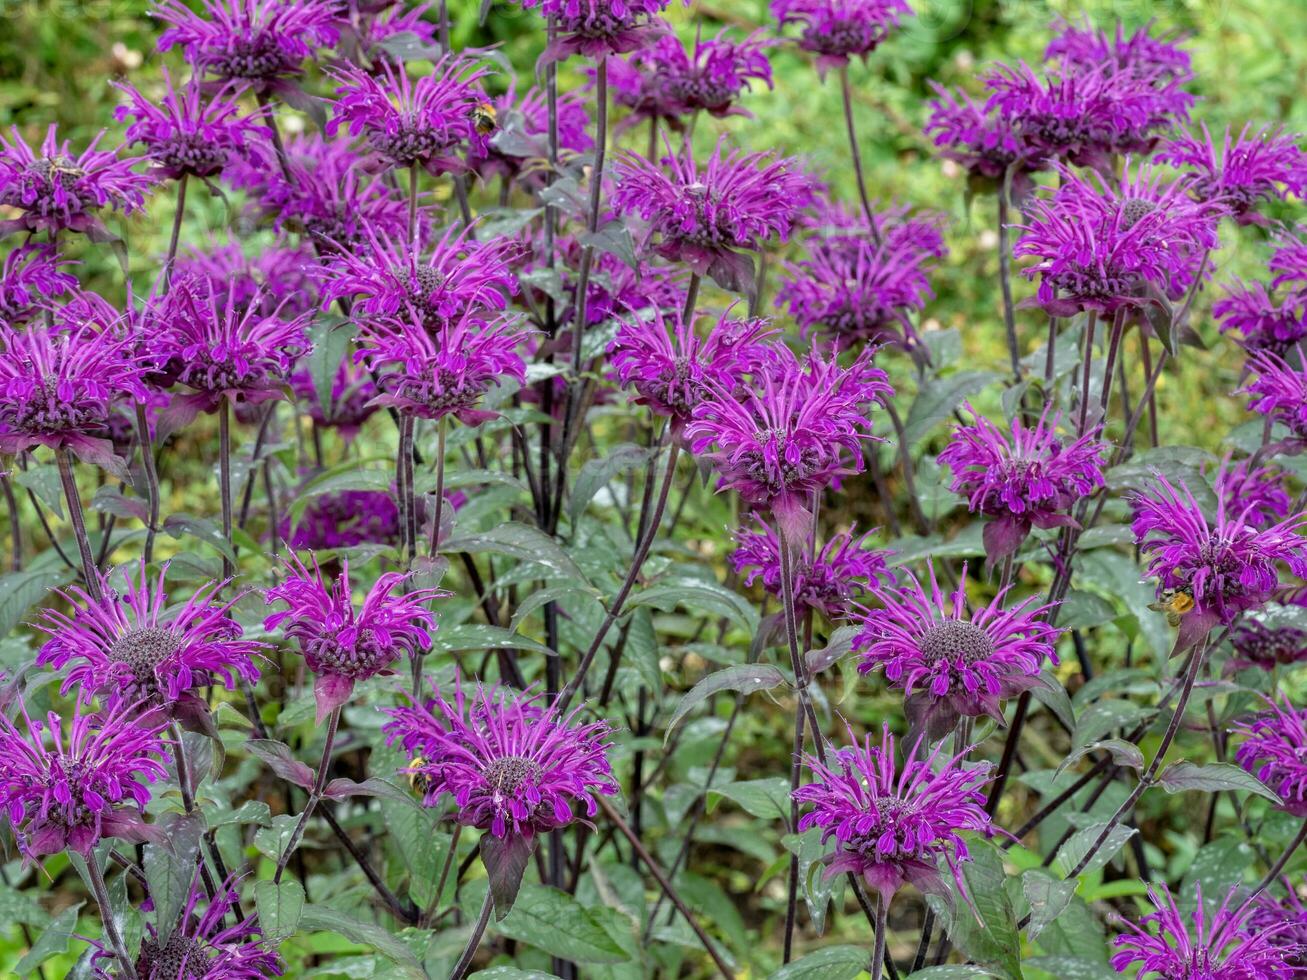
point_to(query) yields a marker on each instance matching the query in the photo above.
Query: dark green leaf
(937, 399)
(746, 678)
(766, 798)
(52, 941)
(352, 926)
(520, 541)
(598, 473)
(1213, 778)
(1074, 850)
(1048, 898)
(830, 963)
(20, 591)
(280, 907)
(555, 922)
(170, 868)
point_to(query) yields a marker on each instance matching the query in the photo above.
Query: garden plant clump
(489, 493)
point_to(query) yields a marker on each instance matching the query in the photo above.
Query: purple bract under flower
(1183, 948)
(1106, 245)
(1027, 478)
(1229, 565)
(30, 275)
(131, 646)
(442, 372)
(828, 583)
(343, 645)
(837, 30)
(1274, 749)
(598, 28)
(1248, 170)
(254, 41)
(702, 217)
(189, 132)
(55, 190)
(424, 123)
(57, 384)
(672, 368)
(892, 826)
(1265, 322)
(800, 427)
(950, 662)
(67, 785)
(514, 767)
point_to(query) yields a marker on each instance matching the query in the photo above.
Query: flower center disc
(181, 958)
(506, 775)
(144, 649)
(954, 639)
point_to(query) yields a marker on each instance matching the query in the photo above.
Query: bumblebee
(1175, 603)
(419, 782)
(486, 118)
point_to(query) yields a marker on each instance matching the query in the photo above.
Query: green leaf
(937, 399)
(555, 922)
(831, 963)
(522, 542)
(598, 473)
(839, 645)
(1048, 898)
(1102, 717)
(280, 907)
(52, 941)
(170, 868)
(251, 811)
(1217, 868)
(1049, 692)
(1082, 610)
(951, 973)
(746, 678)
(993, 941)
(351, 926)
(1213, 778)
(1072, 968)
(20, 907)
(766, 798)
(554, 593)
(1078, 845)
(180, 525)
(331, 339)
(699, 596)
(272, 841)
(1123, 753)
(20, 591)
(412, 831)
(1077, 932)
(479, 636)
(44, 481)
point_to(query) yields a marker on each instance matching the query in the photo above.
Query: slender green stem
(176, 231)
(412, 206)
(1085, 374)
(855, 153)
(89, 571)
(592, 220)
(224, 482)
(319, 785)
(106, 916)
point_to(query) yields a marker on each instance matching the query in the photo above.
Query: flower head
(799, 427)
(703, 217)
(1290, 259)
(275, 277)
(54, 189)
(384, 33)
(189, 132)
(1228, 565)
(350, 403)
(67, 785)
(892, 826)
(203, 946)
(951, 661)
(30, 275)
(1027, 478)
(1279, 392)
(599, 28)
(981, 139)
(1248, 170)
(1285, 918)
(1259, 493)
(837, 30)
(1274, 749)
(424, 123)
(1103, 245)
(343, 520)
(672, 368)
(57, 385)
(132, 646)
(1266, 323)
(1266, 646)
(710, 78)
(1224, 948)
(1080, 46)
(514, 766)
(446, 371)
(343, 645)
(258, 42)
(829, 582)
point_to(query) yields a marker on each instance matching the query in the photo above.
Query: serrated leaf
(480, 636)
(351, 926)
(1077, 846)
(251, 811)
(43, 481)
(52, 941)
(839, 645)
(1072, 968)
(331, 340)
(272, 841)
(558, 924)
(951, 973)
(1123, 753)
(412, 832)
(170, 868)
(201, 528)
(1049, 692)
(520, 541)
(1213, 778)
(110, 500)
(1048, 898)
(1102, 717)
(830, 963)
(342, 789)
(280, 907)
(20, 591)
(598, 473)
(699, 596)
(767, 798)
(746, 678)
(282, 761)
(937, 399)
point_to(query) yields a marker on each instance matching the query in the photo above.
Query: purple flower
(1274, 749)
(57, 384)
(254, 41)
(830, 582)
(1104, 245)
(893, 826)
(1286, 918)
(220, 351)
(1083, 115)
(342, 645)
(1249, 169)
(440, 282)
(203, 947)
(425, 123)
(446, 371)
(326, 195)
(521, 139)
(1266, 647)
(31, 274)
(672, 368)
(132, 647)
(515, 767)
(1290, 259)
(980, 139)
(1279, 392)
(343, 520)
(950, 662)
(1259, 494)
(54, 190)
(276, 277)
(1266, 324)
(1084, 47)
(190, 132)
(1228, 566)
(1028, 478)
(837, 30)
(68, 787)
(798, 428)
(383, 37)
(1224, 948)
(615, 288)
(599, 28)
(702, 217)
(351, 403)
(711, 78)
